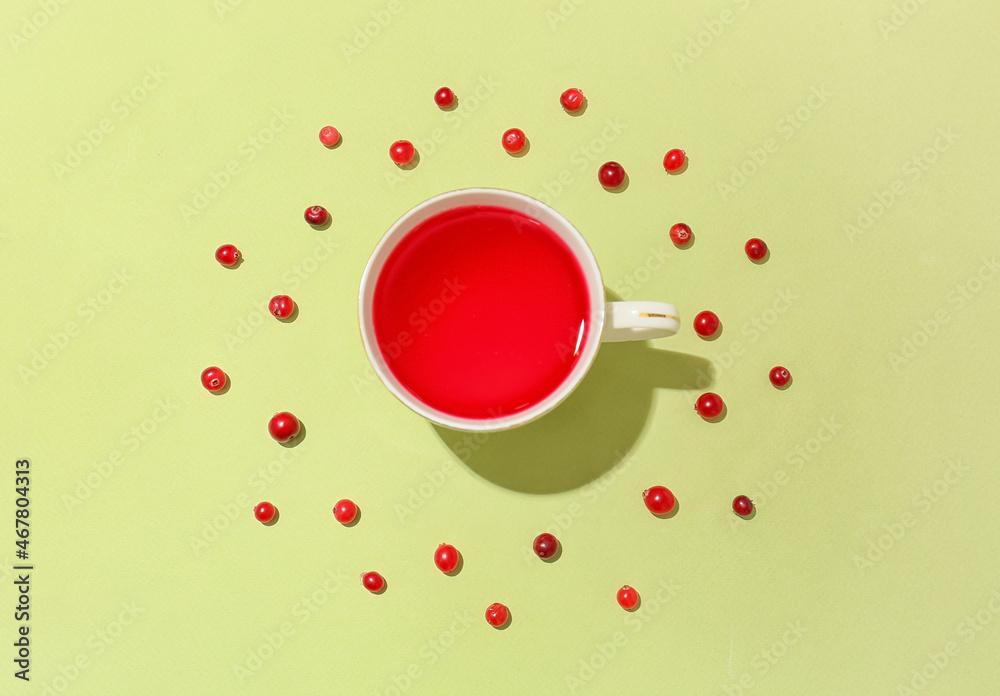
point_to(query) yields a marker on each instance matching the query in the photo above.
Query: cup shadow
(590, 432)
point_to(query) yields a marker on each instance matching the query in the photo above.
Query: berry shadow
(225, 389)
(784, 387)
(687, 245)
(385, 586)
(291, 317)
(454, 105)
(274, 520)
(412, 163)
(763, 259)
(753, 513)
(673, 511)
(593, 430)
(325, 225)
(524, 150)
(621, 188)
(239, 262)
(337, 144)
(506, 624)
(458, 567)
(295, 441)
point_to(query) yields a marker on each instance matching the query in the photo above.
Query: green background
(858, 139)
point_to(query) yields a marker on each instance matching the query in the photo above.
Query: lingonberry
(283, 426)
(401, 152)
(659, 500)
(756, 249)
(345, 511)
(227, 255)
(329, 136)
(627, 598)
(316, 215)
(706, 324)
(213, 379)
(264, 512)
(779, 376)
(446, 558)
(513, 140)
(497, 615)
(373, 582)
(444, 98)
(709, 405)
(674, 160)
(742, 506)
(545, 546)
(680, 234)
(571, 99)
(281, 306)
(611, 175)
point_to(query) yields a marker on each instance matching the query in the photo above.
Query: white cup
(611, 321)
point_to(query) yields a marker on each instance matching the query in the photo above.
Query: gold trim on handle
(662, 316)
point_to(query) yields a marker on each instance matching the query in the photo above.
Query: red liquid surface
(480, 311)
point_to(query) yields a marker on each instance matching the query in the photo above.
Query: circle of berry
(742, 506)
(283, 427)
(281, 306)
(706, 324)
(756, 249)
(709, 405)
(674, 160)
(659, 500)
(513, 140)
(444, 98)
(611, 175)
(227, 255)
(497, 615)
(680, 234)
(264, 512)
(373, 582)
(329, 136)
(345, 511)
(401, 152)
(316, 215)
(213, 379)
(779, 376)
(571, 100)
(627, 598)
(446, 558)
(545, 546)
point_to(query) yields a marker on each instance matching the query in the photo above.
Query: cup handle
(638, 321)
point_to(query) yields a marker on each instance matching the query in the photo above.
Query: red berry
(497, 615)
(545, 546)
(611, 175)
(317, 215)
(706, 324)
(659, 500)
(627, 598)
(680, 234)
(345, 511)
(283, 426)
(281, 306)
(571, 99)
(742, 506)
(674, 160)
(444, 98)
(756, 249)
(213, 379)
(779, 376)
(446, 558)
(402, 152)
(264, 512)
(709, 405)
(329, 136)
(227, 255)
(373, 582)
(513, 140)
